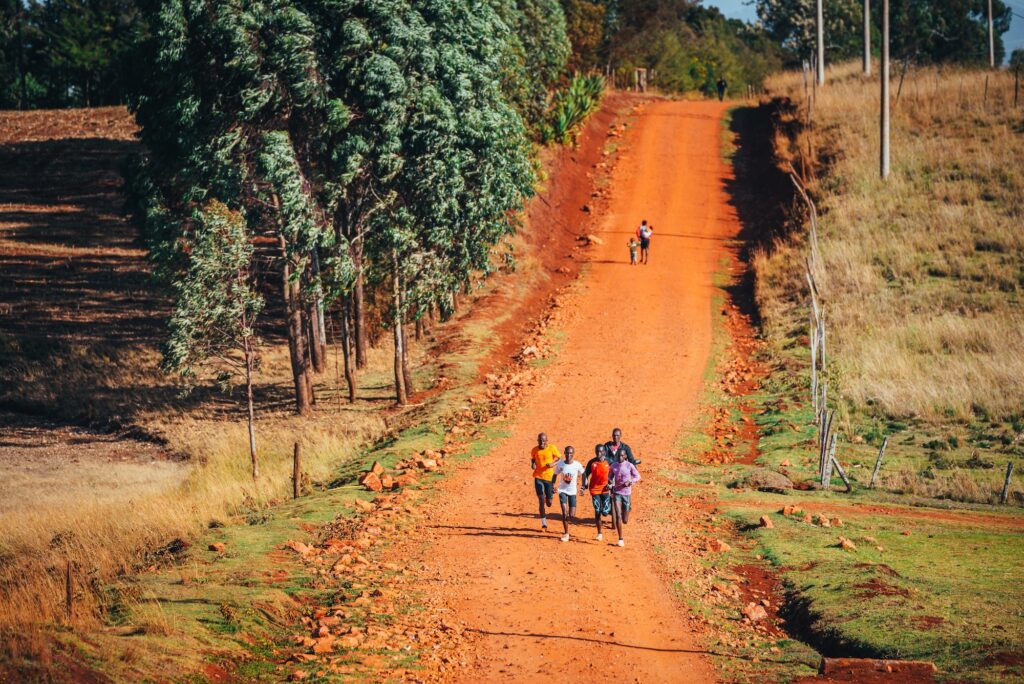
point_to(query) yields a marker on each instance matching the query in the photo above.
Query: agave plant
(571, 106)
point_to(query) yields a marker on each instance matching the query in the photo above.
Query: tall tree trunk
(401, 395)
(247, 348)
(346, 348)
(318, 330)
(316, 351)
(296, 337)
(358, 320)
(419, 328)
(406, 374)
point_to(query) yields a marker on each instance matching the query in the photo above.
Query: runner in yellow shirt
(543, 459)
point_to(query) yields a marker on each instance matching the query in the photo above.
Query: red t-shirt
(599, 477)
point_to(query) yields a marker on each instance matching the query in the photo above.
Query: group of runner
(608, 477)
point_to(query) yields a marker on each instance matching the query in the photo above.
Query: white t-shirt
(567, 475)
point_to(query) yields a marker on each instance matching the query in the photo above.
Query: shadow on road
(610, 642)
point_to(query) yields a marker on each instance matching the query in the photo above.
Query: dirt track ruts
(633, 356)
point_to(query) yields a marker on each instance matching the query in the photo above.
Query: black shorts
(645, 243)
(545, 488)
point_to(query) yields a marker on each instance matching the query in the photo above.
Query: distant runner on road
(721, 85)
(623, 476)
(644, 232)
(543, 459)
(595, 479)
(567, 474)
(615, 444)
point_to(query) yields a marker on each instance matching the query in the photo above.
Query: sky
(1014, 38)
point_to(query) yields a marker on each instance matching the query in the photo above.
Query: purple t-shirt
(625, 476)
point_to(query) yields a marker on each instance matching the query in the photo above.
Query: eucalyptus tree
(226, 94)
(215, 311)
(466, 167)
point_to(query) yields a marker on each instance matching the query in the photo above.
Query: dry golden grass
(103, 535)
(922, 275)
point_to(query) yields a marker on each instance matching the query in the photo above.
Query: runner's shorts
(623, 499)
(645, 243)
(602, 503)
(567, 499)
(545, 488)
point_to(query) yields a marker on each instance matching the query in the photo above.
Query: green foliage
(571, 106)
(584, 23)
(535, 53)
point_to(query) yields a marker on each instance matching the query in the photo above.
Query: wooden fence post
(878, 462)
(842, 473)
(1006, 483)
(68, 593)
(297, 471)
(830, 457)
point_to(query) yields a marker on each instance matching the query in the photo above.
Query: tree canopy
(355, 138)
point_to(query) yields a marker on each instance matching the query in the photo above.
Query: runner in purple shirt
(623, 476)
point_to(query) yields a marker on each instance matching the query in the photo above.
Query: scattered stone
(755, 612)
(298, 676)
(808, 519)
(768, 481)
(298, 547)
(365, 505)
(377, 469)
(323, 646)
(218, 547)
(720, 546)
(791, 509)
(784, 464)
(371, 482)
(846, 544)
(821, 520)
(836, 522)
(766, 522)
(405, 480)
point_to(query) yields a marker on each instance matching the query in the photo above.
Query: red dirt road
(633, 356)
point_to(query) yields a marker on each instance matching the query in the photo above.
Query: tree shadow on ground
(760, 191)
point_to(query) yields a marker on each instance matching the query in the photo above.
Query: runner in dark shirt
(615, 444)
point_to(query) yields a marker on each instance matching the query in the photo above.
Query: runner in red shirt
(595, 479)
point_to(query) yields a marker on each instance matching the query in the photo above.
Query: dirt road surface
(633, 356)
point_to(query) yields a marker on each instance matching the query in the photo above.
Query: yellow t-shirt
(544, 461)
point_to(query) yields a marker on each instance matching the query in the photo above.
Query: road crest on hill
(633, 356)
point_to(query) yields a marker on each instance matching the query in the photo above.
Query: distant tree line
(924, 31)
(62, 53)
(687, 46)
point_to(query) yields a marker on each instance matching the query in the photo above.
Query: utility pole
(991, 39)
(821, 44)
(867, 37)
(884, 118)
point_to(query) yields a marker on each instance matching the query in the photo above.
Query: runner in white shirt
(567, 477)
